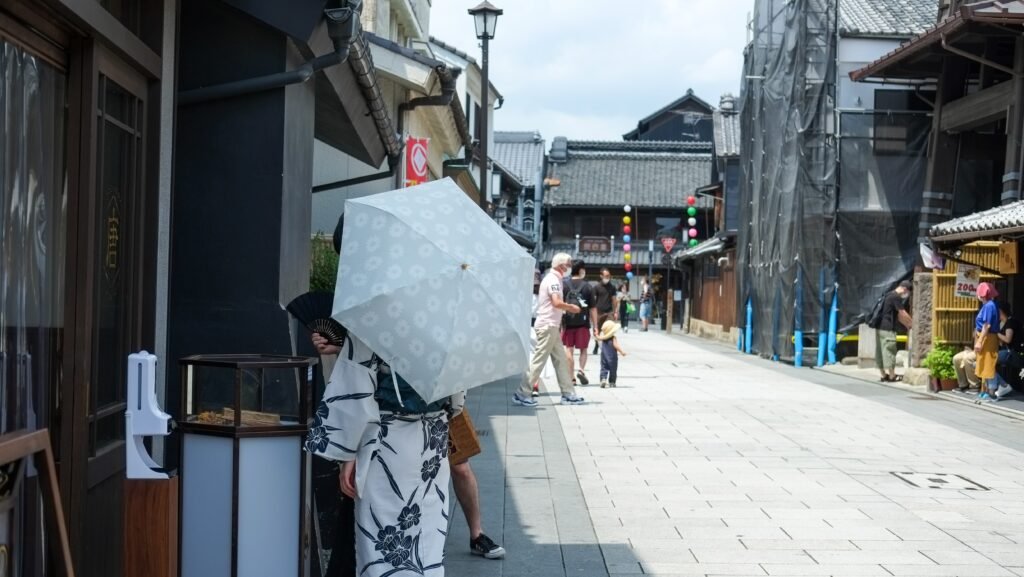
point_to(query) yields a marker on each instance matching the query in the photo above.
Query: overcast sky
(590, 69)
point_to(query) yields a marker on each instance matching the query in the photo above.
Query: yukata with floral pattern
(402, 469)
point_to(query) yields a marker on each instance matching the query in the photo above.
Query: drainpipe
(448, 89)
(342, 25)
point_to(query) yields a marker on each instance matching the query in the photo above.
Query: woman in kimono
(393, 449)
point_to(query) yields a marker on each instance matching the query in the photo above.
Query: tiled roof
(900, 18)
(639, 146)
(641, 258)
(451, 48)
(522, 153)
(1006, 219)
(727, 134)
(613, 174)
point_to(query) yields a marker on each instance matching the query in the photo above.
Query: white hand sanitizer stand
(144, 417)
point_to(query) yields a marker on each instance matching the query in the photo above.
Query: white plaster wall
(855, 53)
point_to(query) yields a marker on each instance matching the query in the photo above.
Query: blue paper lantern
(627, 238)
(629, 275)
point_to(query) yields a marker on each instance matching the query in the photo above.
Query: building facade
(833, 171)
(592, 182)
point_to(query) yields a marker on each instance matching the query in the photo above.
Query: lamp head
(485, 16)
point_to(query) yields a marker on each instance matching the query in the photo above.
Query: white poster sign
(967, 280)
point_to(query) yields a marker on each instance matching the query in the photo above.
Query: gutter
(448, 77)
(342, 27)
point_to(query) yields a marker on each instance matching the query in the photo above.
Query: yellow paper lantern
(627, 257)
(626, 220)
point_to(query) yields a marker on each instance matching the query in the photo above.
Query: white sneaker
(573, 399)
(1003, 390)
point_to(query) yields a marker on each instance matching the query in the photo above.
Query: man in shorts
(576, 327)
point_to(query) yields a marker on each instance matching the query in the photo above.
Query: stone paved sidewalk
(707, 462)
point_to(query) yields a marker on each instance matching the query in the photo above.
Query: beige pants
(965, 363)
(549, 346)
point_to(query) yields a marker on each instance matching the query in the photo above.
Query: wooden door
(109, 319)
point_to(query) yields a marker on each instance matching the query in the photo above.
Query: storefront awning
(992, 224)
(970, 28)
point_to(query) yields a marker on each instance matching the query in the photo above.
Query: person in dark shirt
(1011, 346)
(895, 314)
(606, 305)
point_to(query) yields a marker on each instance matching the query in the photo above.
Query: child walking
(610, 351)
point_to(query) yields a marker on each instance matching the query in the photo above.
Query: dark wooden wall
(714, 299)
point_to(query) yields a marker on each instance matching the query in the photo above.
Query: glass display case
(244, 476)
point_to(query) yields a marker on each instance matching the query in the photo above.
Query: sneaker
(612, 385)
(582, 378)
(536, 390)
(1003, 390)
(982, 397)
(573, 399)
(604, 384)
(485, 547)
(517, 400)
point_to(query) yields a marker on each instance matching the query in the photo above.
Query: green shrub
(324, 270)
(939, 362)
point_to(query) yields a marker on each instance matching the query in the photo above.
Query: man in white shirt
(547, 328)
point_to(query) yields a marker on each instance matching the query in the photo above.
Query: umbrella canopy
(435, 287)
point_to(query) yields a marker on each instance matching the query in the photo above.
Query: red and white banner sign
(416, 161)
(669, 243)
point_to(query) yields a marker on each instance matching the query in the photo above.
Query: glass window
(32, 277)
(117, 186)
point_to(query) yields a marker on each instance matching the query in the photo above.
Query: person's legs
(541, 352)
(889, 353)
(559, 360)
(879, 353)
(959, 362)
(468, 493)
(605, 369)
(613, 366)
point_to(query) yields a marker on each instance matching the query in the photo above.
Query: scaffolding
(787, 239)
(832, 197)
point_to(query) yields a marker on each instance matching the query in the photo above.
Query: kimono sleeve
(347, 411)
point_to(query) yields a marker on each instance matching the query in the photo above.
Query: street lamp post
(485, 17)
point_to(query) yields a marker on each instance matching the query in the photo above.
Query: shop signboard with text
(967, 279)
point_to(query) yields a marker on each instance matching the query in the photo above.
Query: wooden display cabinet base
(151, 527)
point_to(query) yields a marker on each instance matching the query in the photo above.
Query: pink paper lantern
(626, 247)
(693, 233)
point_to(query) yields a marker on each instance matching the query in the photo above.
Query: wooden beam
(978, 109)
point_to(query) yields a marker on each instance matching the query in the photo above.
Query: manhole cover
(939, 481)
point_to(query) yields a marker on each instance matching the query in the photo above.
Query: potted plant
(939, 363)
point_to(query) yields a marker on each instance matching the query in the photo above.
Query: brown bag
(462, 440)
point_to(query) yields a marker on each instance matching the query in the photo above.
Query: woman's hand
(323, 346)
(977, 347)
(347, 478)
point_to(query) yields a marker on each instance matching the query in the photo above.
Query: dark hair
(577, 266)
(605, 270)
(1005, 308)
(338, 231)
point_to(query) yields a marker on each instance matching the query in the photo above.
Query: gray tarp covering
(801, 236)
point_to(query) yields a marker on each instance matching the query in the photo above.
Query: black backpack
(573, 294)
(875, 316)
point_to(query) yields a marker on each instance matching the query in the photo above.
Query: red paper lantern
(691, 201)
(629, 267)
(627, 230)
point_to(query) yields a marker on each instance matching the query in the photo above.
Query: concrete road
(707, 462)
